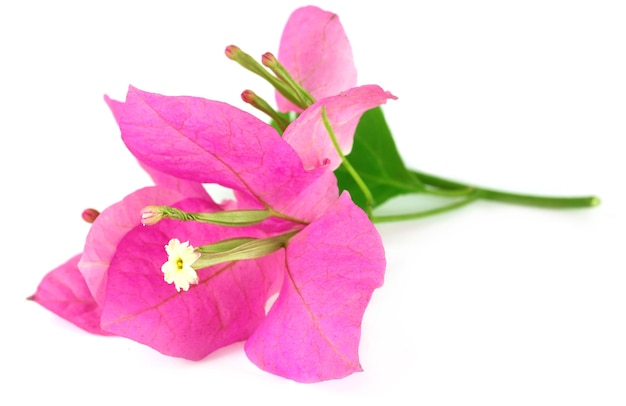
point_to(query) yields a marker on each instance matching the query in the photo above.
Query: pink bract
(76, 290)
(64, 292)
(308, 135)
(332, 266)
(225, 306)
(315, 49)
(108, 230)
(212, 142)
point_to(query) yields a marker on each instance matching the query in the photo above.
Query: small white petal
(178, 268)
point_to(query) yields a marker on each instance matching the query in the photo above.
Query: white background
(492, 304)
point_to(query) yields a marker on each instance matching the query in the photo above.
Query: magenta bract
(309, 137)
(331, 269)
(212, 142)
(64, 292)
(315, 49)
(225, 307)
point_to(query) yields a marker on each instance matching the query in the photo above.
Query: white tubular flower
(178, 268)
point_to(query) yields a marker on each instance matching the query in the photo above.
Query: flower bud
(248, 96)
(90, 215)
(285, 88)
(293, 90)
(260, 104)
(150, 215)
(232, 52)
(268, 59)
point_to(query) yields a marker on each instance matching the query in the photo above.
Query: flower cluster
(170, 268)
(300, 238)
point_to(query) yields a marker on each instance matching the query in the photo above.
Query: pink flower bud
(248, 96)
(90, 215)
(268, 59)
(232, 51)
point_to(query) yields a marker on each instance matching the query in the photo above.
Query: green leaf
(376, 159)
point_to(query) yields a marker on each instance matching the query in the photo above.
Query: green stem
(420, 214)
(260, 104)
(509, 197)
(248, 62)
(369, 199)
(281, 73)
(447, 192)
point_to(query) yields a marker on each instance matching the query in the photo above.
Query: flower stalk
(151, 215)
(552, 202)
(238, 249)
(357, 178)
(260, 104)
(283, 82)
(270, 61)
(236, 54)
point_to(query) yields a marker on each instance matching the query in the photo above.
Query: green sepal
(224, 245)
(237, 249)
